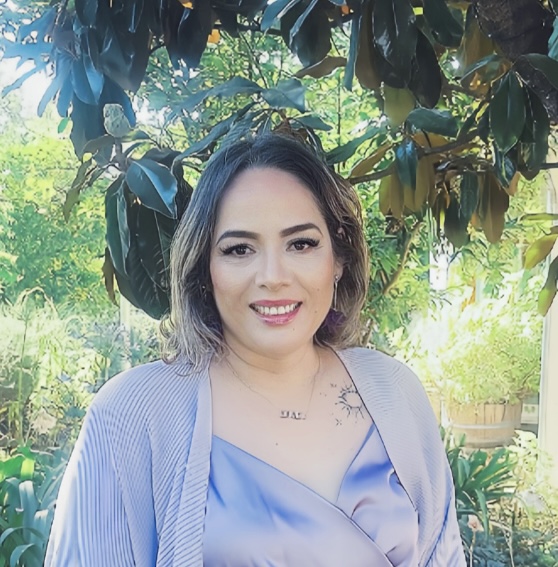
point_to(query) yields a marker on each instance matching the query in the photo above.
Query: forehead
(260, 195)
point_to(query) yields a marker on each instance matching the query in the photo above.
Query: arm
(448, 550)
(90, 526)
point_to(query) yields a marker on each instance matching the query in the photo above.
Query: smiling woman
(266, 437)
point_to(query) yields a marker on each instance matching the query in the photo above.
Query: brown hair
(193, 328)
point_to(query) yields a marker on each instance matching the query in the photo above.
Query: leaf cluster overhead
(468, 107)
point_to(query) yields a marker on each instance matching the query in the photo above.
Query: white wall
(548, 425)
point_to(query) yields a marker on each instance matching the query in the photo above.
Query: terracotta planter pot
(484, 425)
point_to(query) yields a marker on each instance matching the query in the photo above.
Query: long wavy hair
(193, 331)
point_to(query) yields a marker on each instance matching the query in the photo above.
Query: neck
(297, 369)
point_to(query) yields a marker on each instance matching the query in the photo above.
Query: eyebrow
(254, 235)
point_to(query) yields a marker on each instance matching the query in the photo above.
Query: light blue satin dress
(258, 516)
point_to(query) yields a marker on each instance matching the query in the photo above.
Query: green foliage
(430, 68)
(29, 483)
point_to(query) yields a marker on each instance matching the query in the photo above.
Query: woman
(266, 441)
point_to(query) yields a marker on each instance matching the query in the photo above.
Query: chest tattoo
(349, 401)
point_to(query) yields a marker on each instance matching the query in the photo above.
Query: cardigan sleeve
(448, 550)
(90, 526)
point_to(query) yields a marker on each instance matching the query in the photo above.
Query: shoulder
(149, 393)
(379, 368)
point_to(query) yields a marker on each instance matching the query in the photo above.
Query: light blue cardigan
(135, 488)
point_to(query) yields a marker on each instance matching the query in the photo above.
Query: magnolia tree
(467, 90)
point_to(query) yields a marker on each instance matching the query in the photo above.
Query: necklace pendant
(289, 414)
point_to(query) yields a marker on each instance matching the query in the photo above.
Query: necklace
(283, 413)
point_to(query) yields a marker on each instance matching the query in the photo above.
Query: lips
(276, 312)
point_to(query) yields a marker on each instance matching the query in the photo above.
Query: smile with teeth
(270, 311)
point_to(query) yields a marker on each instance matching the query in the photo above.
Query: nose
(273, 271)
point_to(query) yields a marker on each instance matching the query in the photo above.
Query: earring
(336, 281)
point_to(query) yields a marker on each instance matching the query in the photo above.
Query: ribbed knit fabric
(134, 492)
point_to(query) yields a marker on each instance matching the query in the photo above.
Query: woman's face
(272, 264)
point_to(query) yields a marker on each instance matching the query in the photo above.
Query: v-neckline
(367, 437)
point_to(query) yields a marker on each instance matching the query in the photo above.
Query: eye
(302, 244)
(236, 250)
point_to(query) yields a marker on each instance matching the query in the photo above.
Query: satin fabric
(259, 516)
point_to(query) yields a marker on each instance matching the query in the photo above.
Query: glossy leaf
(230, 88)
(537, 251)
(344, 152)
(494, 202)
(154, 184)
(365, 66)
(312, 121)
(437, 121)
(406, 160)
(540, 217)
(455, 226)
(426, 75)
(426, 181)
(469, 195)
(287, 94)
(218, 131)
(301, 19)
(475, 44)
(398, 103)
(507, 112)
(550, 288)
(275, 11)
(312, 41)
(547, 66)
(533, 147)
(322, 69)
(395, 33)
(479, 77)
(445, 28)
(367, 164)
(391, 196)
(350, 68)
(553, 42)
(118, 232)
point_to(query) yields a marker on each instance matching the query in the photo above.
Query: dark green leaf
(312, 42)
(87, 11)
(436, 121)
(232, 87)
(426, 75)
(219, 130)
(504, 167)
(445, 28)
(406, 160)
(17, 554)
(312, 121)
(548, 292)
(300, 20)
(553, 42)
(395, 34)
(353, 51)
(533, 147)
(118, 232)
(93, 146)
(154, 184)
(548, 66)
(275, 11)
(469, 196)
(287, 94)
(455, 226)
(346, 151)
(507, 112)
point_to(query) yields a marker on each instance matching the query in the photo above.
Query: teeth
(281, 310)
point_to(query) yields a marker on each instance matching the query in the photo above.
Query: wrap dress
(259, 516)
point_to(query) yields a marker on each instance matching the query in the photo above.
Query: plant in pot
(490, 362)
